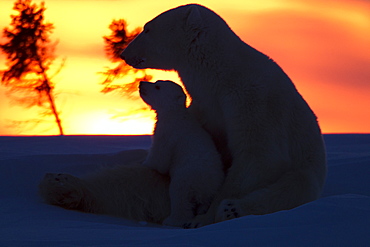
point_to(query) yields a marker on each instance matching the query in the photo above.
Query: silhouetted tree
(115, 43)
(30, 54)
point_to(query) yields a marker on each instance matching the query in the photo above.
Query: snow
(340, 218)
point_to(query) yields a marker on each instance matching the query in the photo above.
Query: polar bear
(267, 135)
(182, 149)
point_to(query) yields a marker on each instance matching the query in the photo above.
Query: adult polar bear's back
(267, 135)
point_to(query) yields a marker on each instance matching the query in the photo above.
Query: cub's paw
(229, 209)
(62, 189)
(199, 221)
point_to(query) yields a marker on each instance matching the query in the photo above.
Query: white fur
(131, 190)
(266, 133)
(182, 149)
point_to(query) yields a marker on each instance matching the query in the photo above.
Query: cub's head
(162, 95)
(166, 40)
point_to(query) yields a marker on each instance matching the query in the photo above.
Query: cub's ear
(181, 100)
(194, 19)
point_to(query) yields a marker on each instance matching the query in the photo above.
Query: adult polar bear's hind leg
(267, 134)
(130, 191)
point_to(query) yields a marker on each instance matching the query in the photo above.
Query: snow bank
(340, 218)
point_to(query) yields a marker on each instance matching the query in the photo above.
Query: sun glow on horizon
(105, 124)
(322, 46)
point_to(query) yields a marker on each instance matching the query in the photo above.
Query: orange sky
(322, 45)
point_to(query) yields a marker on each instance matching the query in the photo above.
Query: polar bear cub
(183, 150)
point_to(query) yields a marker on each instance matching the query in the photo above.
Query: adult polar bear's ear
(194, 27)
(194, 19)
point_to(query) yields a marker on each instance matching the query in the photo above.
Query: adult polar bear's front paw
(229, 209)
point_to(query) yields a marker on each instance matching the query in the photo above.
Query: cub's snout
(143, 87)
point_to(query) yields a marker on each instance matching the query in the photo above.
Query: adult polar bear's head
(162, 95)
(168, 39)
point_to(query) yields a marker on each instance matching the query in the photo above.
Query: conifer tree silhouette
(115, 43)
(30, 53)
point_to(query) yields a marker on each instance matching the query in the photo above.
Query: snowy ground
(340, 218)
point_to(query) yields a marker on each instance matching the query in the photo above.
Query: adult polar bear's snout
(134, 61)
(150, 50)
(131, 56)
(140, 53)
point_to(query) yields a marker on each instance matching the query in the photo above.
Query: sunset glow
(322, 45)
